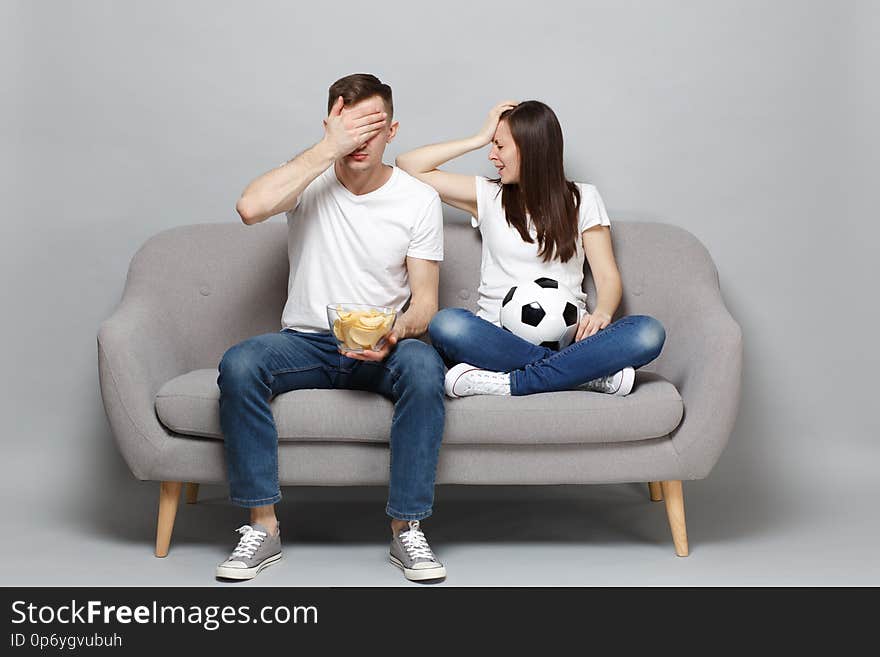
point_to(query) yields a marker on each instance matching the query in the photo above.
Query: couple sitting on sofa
(361, 230)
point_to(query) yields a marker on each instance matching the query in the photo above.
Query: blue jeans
(265, 365)
(462, 337)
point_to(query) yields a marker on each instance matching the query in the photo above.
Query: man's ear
(392, 131)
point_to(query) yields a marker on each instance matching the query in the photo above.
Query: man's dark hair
(357, 87)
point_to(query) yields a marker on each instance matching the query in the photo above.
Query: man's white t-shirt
(348, 248)
(508, 260)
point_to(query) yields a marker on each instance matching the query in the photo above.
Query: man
(358, 231)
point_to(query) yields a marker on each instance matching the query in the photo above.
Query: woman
(534, 223)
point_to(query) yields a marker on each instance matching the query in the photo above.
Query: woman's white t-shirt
(508, 260)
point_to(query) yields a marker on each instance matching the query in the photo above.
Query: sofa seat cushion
(189, 405)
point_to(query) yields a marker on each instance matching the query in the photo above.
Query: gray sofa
(192, 292)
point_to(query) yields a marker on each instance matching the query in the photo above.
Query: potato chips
(361, 329)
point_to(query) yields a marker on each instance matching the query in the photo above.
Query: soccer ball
(541, 311)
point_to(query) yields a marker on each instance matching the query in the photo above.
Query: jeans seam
(390, 446)
(256, 500)
(298, 369)
(395, 376)
(277, 466)
(514, 387)
(408, 516)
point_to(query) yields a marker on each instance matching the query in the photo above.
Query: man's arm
(278, 190)
(424, 284)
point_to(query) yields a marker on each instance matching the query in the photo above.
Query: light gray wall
(751, 124)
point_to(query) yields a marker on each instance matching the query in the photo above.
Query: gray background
(750, 124)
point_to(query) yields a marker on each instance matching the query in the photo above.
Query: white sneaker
(620, 383)
(464, 380)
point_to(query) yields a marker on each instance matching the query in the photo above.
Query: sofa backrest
(221, 283)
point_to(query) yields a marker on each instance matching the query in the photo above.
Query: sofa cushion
(189, 404)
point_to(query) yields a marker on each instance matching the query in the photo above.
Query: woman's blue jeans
(260, 367)
(462, 337)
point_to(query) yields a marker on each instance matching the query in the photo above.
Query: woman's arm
(455, 189)
(606, 276)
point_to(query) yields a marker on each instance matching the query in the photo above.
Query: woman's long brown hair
(543, 192)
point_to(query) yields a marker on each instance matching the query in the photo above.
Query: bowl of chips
(360, 326)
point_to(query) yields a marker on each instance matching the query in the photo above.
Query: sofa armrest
(702, 357)
(139, 349)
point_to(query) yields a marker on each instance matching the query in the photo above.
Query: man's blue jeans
(260, 367)
(462, 337)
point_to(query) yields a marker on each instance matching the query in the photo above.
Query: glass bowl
(360, 326)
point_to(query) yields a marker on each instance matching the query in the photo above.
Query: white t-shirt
(508, 260)
(348, 248)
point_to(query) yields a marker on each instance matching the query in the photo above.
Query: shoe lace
(250, 541)
(604, 383)
(415, 542)
(489, 381)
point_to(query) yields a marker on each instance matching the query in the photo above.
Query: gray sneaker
(254, 551)
(411, 553)
(620, 383)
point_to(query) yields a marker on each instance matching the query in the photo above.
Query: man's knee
(241, 363)
(419, 363)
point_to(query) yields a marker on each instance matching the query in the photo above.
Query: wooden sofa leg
(192, 493)
(169, 496)
(675, 512)
(656, 491)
